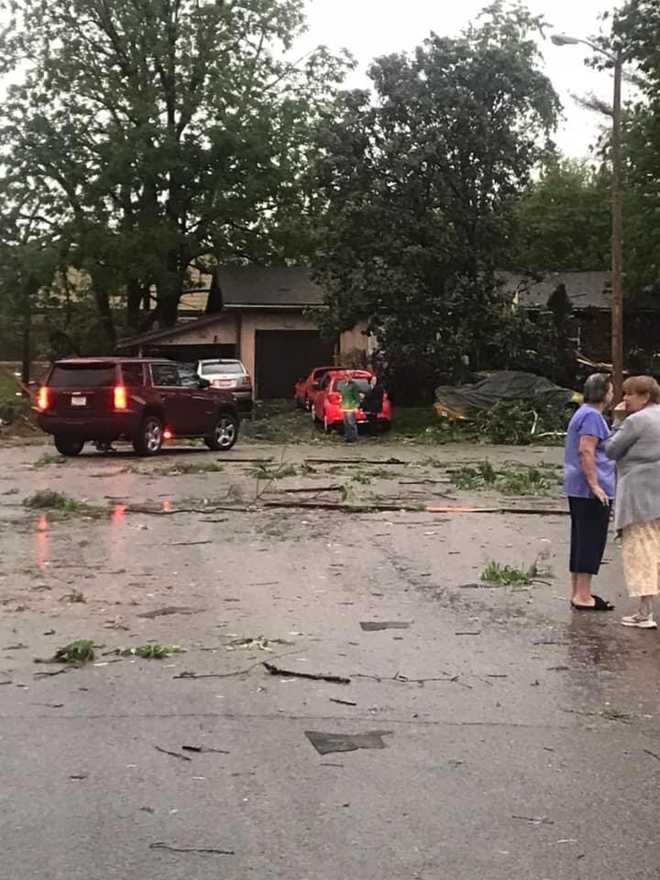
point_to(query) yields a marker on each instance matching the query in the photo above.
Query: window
(165, 375)
(224, 368)
(101, 375)
(362, 385)
(133, 374)
(188, 378)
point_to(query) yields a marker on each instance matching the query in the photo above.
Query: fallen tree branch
(388, 461)
(191, 849)
(526, 511)
(287, 673)
(173, 754)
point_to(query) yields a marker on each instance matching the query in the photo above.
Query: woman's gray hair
(596, 387)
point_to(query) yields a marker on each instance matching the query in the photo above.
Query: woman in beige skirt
(635, 446)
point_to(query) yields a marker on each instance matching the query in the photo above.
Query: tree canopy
(420, 185)
(563, 220)
(157, 132)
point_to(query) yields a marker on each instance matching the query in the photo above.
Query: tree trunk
(26, 359)
(170, 286)
(106, 320)
(134, 297)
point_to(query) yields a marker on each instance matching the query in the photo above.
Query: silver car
(230, 375)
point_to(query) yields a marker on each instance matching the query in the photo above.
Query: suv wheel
(67, 446)
(224, 433)
(150, 437)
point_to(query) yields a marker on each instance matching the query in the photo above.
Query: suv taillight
(246, 381)
(120, 397)
(43, 398)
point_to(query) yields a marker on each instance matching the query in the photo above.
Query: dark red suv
(143, 400)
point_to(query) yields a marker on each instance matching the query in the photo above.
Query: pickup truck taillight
(43, 398)
(120, 397)
(334, 397)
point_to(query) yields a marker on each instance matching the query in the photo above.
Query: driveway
(483, 731)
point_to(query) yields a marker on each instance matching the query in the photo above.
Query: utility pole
(617, 234)
(616, 204)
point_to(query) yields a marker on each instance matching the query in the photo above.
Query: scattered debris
(343, 702)
(535, 820)
(476, 632)
(49, 674)
(538, 481)
(356, 461)
(165, 612)
(78, 776)
(325, 743)
(190, 849)
(18, 647)
(47, 499)
(377, 626)
(331, 679)
(517, 511)
(204, 749)
(505, 575)
(260, 643)
(173, 754)
(75, 653)
(188, 543)
(652, 754)
(74, 597)
(151, 651)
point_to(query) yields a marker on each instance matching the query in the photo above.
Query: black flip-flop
(599, 605)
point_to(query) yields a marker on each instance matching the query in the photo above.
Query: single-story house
(262, 319)
(590, 295)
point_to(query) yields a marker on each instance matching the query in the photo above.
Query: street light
(616, 58)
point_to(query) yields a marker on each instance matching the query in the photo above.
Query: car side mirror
(204, 383)
(316, 386)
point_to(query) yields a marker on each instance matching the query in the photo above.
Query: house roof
(584, 289)
(168, 332)
(258, 287)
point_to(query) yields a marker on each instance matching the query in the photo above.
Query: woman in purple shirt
(589, 485)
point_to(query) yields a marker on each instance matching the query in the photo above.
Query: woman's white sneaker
(641, 621)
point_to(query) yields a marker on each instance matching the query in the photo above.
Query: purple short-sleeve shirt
(587, 421)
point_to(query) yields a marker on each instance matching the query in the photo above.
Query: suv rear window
(83, 375)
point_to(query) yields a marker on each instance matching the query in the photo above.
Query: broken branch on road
(173, 754)
(287, 673)
(192, 849)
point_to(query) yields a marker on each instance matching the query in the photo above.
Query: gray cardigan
(635, 446)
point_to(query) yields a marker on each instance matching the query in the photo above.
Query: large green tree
(638, 30)
(420, 184)
(563, 220)
(160, 132)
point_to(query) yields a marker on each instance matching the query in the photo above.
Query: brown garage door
(283, 356)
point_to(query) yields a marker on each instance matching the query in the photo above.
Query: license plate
(78, 401)
(226, 383)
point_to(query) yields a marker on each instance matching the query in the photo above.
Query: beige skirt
(640, 546)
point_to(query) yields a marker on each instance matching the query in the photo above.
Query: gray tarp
(464, 401)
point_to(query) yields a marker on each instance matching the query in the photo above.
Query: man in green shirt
(350, 403)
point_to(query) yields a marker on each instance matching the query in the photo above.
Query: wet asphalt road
(520, 741)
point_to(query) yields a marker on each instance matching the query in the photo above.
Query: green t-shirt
(350, 395)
